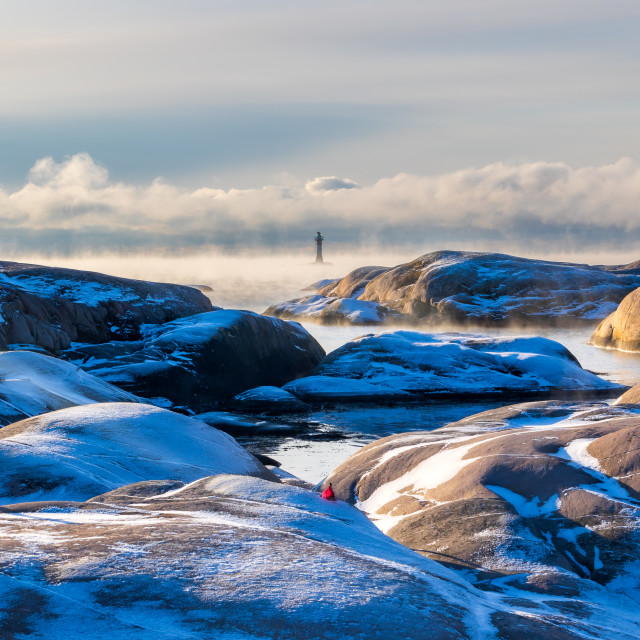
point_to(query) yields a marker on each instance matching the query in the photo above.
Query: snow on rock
(203, 359)
(33, 383)
(52, 307)
(621, 329)
(462, 287)
(330, 310)
(548, 492)
(237, 557)
(76, 453)
(337, 301)
(404, 364)
(267, 399)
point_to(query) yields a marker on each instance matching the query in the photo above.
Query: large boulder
(51, 307)
(238, 557)
(402, 365)
(621, 329)
(632, 396)
(546, 489)
(466, 288)
(204, 359)
(33, 383)
(337, 302)
(77, 453)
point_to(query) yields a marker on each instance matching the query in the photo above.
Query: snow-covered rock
(547, 493)
(203, 359)
(331, 310)
(468, 288)
(621, 329)
(235, 558)
(33, 383)
(405, 364)
(77, 453)
(52, 307)
(337, 302)
(269, 399)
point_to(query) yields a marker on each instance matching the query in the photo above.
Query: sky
(431, 124)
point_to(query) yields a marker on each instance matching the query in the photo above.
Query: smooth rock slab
(77, 453)
(33, 383)
(233, 557)
(632, 396)
(536, 489)
(621, 329)
(407, 364)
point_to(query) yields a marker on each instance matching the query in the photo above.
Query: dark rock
(52, 307)
(204, 359)
(269, 400)
(241, 426)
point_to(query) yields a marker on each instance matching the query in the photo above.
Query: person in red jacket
(328, 494)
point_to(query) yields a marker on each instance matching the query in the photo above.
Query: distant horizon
(540, 209)
(499, 126)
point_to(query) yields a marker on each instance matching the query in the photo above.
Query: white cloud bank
(518, 204)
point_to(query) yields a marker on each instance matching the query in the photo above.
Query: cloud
(73, 205)
(330, 183)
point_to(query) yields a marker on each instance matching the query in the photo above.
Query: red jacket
(328, 494)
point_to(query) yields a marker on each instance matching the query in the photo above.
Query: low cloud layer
(73, 206)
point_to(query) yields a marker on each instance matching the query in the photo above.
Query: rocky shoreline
(126, 509)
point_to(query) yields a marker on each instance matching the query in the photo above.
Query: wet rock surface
(268, 400)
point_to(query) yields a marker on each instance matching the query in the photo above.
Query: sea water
(331, 434)
(335, 432)
(354, 426)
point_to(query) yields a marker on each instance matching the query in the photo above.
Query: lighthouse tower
(319, 239)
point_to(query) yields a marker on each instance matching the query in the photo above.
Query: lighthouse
(319, 239)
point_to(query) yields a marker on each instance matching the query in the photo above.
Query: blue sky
(246, 95)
